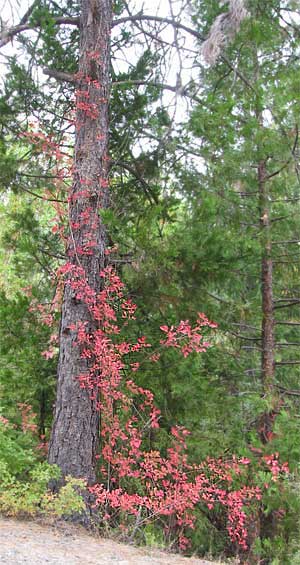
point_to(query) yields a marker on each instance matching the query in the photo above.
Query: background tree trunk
(75, 433)
(268, 340)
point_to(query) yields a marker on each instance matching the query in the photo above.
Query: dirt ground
(35, 544)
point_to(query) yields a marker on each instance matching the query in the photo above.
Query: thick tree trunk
(75, 433)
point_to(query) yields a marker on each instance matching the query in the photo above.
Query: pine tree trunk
(268, 341)
(266, 420)
(75, 433)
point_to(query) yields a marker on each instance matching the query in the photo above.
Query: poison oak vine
(167, 485)
(170, 486)
(134, 478)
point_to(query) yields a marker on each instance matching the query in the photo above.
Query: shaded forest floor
(35, 544)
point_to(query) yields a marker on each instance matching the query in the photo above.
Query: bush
(24, 479)
(33, 497)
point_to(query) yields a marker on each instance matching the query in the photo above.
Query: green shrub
(33, 497)
(16, 450)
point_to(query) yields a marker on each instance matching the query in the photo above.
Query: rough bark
(75, 433)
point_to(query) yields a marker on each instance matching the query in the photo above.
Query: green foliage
(68, 501)
(24, 486)
(25, 497)
(153, 536)
(32, 498)
(17, 455)
(25, 374)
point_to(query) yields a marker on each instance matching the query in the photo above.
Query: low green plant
(68, 501)
(153, 536)
(33, 497)
(24, 479)
(25, 496)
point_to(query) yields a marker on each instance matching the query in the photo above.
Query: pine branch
(40, 196)
(68, 77)
(271, 175)
(8, 34)
(297, 241)
(291, 298)
(247, 326)
(287, 323)
(143, 17)
(59, 75)
(181, 90)
(133, 170)
(288, 391)
(50, 254)
(288, 305)
(246, 338)
(297, 362)
(218, 298)
(287, 344)
(285, 200)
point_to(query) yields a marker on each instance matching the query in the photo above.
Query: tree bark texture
(75, 434)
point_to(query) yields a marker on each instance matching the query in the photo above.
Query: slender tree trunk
(268, 339)
(75, 433)
(42, 415)
(266, 420)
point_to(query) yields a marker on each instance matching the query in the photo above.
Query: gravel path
(31, 543)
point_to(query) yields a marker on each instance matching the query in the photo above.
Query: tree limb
(135, 173)
(297, 241)
(181, 90)
(168, 21)
(68, 77)
(246, 338)
(8, 34)
(60, 75)
(287, 305)
(287, 344)
(297, 362)
(287, 323)
(288, 391)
